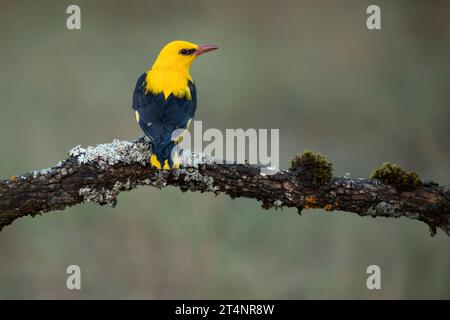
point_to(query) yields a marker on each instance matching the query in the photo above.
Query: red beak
(202, 48)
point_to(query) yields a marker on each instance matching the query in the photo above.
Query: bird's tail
(165, 158)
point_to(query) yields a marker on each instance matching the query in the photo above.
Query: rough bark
(100, 173)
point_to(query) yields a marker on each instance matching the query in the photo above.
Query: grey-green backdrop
(310, 68)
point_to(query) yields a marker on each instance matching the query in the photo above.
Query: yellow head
(170, 72)
(180, 54)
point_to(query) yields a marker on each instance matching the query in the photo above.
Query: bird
(165, 100)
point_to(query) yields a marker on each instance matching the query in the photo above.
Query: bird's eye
(186, 52)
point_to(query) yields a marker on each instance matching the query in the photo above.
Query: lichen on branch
(98, 174)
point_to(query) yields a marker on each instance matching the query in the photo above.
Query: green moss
(395, 175)
(312, 169)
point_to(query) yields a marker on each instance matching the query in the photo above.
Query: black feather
(160, 117)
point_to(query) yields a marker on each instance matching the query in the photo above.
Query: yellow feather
(154, 162)
(168, 81)
(179, 138)
(176, 161)
(188, 93)
(170, 72)
(166, 165)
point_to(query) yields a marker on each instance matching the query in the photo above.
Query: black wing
(160, 117)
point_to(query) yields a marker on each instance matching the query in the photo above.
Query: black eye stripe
(186, 52)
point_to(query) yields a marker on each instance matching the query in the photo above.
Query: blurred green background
(310, 68)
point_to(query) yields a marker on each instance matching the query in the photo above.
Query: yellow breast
(168, 81)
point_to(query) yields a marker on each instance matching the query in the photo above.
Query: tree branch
(100, 173)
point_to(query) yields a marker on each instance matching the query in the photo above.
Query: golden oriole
(165, 99)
